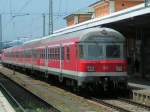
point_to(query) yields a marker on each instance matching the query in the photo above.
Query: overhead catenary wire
(10, 7)
(25, 5)
(50, 28)
(60, 14)
(59, 7)
(59, 10)
(22, 8)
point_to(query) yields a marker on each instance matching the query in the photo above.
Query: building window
(123, 4)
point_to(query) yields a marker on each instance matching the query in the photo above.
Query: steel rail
(52, 109)
(9, 94)
(135, 103)
(110, 105)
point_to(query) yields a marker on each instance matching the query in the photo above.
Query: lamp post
(44, 24)
(0, 33)
(50, 17)
(18, 15)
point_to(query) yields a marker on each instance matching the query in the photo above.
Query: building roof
(86, 11)
(100, 1)
(96, 3)
(132, 12)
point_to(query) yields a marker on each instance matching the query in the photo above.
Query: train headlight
(90, 68)
(119, 68)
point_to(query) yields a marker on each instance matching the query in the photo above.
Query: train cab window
(113, 51)
(95, 51)
(68, 53)
(90, 51)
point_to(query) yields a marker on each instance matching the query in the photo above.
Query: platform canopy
(137, 15)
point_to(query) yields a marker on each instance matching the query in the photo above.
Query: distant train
(91, 57)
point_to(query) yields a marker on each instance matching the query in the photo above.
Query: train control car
(86, 58)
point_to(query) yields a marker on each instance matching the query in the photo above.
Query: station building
(106, 7)
(99, 9)
(131, 18)
(79, 16)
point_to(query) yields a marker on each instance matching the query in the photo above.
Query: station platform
(142, 96)
(141, 89)
(136, 81)
(4, 104)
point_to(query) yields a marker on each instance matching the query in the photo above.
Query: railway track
(123, 105)
(12, 98)
(40, 104)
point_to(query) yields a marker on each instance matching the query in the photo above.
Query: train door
(34, 57)
(61, 63)
(78, 53)
(46, 56)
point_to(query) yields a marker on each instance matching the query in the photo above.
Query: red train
(88, 57)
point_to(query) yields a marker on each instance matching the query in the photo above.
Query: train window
(48, 53)
(55, 50)
(42, 53)
(81, 51)
(53, 53)
(68, 53)
(62, 53)
(95, 51)
(58, 53)
(113, 51)
(34, 53)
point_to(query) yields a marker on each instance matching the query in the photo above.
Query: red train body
(90, 56)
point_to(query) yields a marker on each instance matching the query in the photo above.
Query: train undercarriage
(96, 84)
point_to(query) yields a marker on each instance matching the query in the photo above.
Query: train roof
(82, 35)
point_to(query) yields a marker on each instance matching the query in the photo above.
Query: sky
(23, 18)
